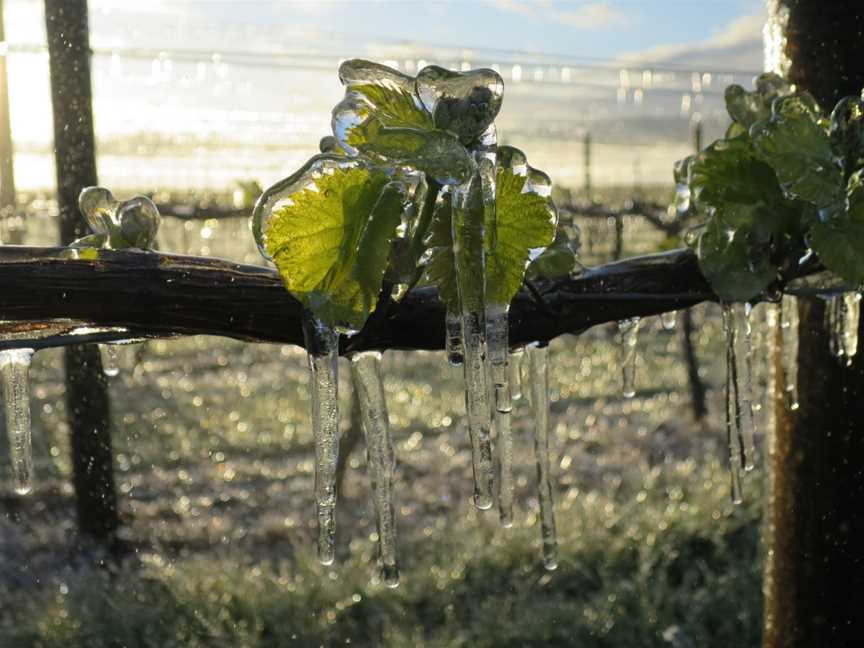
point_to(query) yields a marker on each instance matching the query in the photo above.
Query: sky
(176, 79)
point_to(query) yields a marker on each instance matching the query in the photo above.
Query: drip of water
(668, 320)
(843, 313)
(629, 330)
(322, 345)
(789, 350)
(539, 379)
(453, 339)
(14, 370)
(381, 459)
(110, 361)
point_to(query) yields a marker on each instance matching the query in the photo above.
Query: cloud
(583, 16)
(737, 46)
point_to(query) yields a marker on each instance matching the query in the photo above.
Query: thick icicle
(14, 370)
(740, 420)
(843, 313)
(322, 345)
(539, 373)
(668, 320)
(497, 334)
(789, 349)
(453, 338)
(381, 460)
(504, 448)
(629, 329)
(515, 364)
(469, 252)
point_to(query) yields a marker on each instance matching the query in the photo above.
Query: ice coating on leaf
(847, 132)
(328, 228)
(330, 145)
(131, 223)
(359, 72)
(746, 108)
(796, 144)
(789, 349)
(322, 345)
(381, 459)
(15, 383)
(838, 235)
(453, 340)
(539, 378)
(842, 315)
(524, 225)
(683, 203)
(629, 331)
(464, 103)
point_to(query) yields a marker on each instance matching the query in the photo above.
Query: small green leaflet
(331, 242)
(394, 106)
(735, 261)
(839, 239)
(525, 225)
(796, 144)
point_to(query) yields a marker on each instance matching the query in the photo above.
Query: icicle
(322, 345)
(842, 313)
(629, 329)
(381, 460)
(515, 364)
(504, 448)
(14, 370)
(110, 363)
(468, 247)
(497, 341)
(668, 320)
(453, 324)
(539, 373)
(740, 421)
(789, 349)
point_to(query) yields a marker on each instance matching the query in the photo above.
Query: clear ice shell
(99, 207)
(381, 459)
(110, 362)
(281, 192)
(539, 379)
(139, 220)
(464, 103)
(322, 345)
(130, 223)
(668, 320)
(629, 330)
(497, 345)
(14, 376)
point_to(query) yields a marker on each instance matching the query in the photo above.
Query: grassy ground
(214, 469)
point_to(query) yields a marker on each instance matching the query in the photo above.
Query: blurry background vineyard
(211, 439)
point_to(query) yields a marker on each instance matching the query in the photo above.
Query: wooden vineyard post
(814, 576)
(87, 401)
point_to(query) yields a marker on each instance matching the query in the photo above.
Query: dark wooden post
(814, 577)
(86, 391)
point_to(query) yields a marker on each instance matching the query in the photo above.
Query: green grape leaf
(796, 144)
(393, 106)
(330, 243)
(525, 225)
(435, 152)
(839, 238)
(730, 178)
(735, 261)
(847, 132)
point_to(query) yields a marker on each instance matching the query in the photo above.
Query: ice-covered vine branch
(50, 298)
